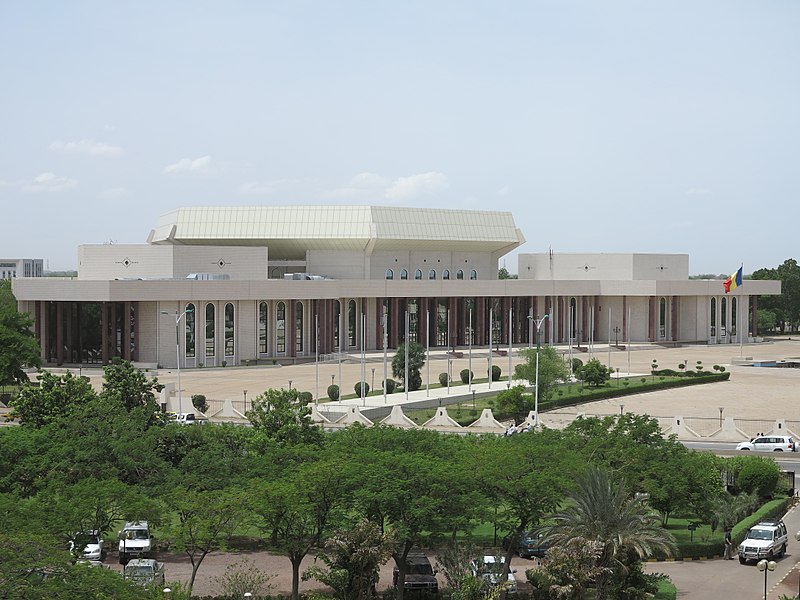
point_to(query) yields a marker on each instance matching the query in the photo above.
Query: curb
(684, 559)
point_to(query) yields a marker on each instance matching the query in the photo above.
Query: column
(675, 321)
(394, 315)
(480, 322)
(104, 332)
(126, 331)
(59, 333)
(137, 340)
(651, 328)
(625, 319)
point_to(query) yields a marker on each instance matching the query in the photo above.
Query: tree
(205, 520)
(552, 369)
(278, 418)
(514, 401)
(503, 273)
(353, 557)
(759, 475)
(600, 512)
(566, 572)
(52, 400)
(416, 360)
(124, 383)
(18, 346)
(200, 403)
(594, 373)
(785, 308)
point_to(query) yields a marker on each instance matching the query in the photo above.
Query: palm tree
(601, 514)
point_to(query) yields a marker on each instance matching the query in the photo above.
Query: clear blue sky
(613, 126)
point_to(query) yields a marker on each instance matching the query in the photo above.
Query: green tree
(566, 571)
(416, 360)
(758, 475)
(52, 400)
(353, 557)
(503, 273)
(785, 308)
(594, 373)
(18, 346)
(279, 418)
(514, 401)
(600, 512)
(127, 385)
(552, 369)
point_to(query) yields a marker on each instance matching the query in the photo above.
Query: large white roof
(291, 230)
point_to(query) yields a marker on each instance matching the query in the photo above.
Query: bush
(577, 363)
(333, 392)
(466, 375)
(414, 381)
(305, 398)
(443, 379)
(495, 373)
(200, 403)
(760, 476)
(357, 388)
(390, 385)
(242, 577)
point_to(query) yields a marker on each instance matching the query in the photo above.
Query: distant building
(283, 283)
(11, 268)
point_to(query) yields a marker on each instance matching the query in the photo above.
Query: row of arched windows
(210, 322)
(431, 274)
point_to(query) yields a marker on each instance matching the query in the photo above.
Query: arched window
(723, 316)
(713, 317)
(473, 274)
(389, 274)
(662, 318)
(211, 327)
(351, 323)
(446, 274)
(573, 318)
(734, 308)
(459, 274)
(432, 274)
(191, 319)
(263, 319)
(280, 328)
(230, 328)
(404, 274)
(337, 314)
(298, 328)
(418, 274)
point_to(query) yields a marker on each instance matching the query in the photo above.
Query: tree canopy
(18, 346)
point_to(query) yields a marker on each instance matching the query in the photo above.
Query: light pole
(178, 317)
(766, 566)
(721, 408)
(536, 387)
(244, 392)
(290, 385)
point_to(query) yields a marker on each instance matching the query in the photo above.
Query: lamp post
(616, 336)
(178, 317)
(290, 385)
(721, 408)
(536, 386)
(244, 392)
(766, 566)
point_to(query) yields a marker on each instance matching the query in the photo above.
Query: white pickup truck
(135, 541)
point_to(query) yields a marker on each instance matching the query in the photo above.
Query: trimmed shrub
(414, 381)
(199, 402)
(577, 363)
(466, 375)
(390, 384)
(443, 379)
(333, 392)
(496, 371)
(357, 388)
(305, 397)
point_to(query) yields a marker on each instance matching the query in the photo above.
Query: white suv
(135, 541)
(767, 539)
(770, 443)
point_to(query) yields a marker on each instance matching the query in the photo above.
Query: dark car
(529, 544)
(420, 576)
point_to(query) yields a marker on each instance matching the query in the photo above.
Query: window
(211, 326)
(713, 317)
(263, 315)
(389, 274)
(473, 274)
(662, 318)
(418, 274)
(337, 314)
(459, 274)
(229, 330)
(723, 316)
(404, 274)
(351, 323)
(734, 307)
(432, 274)
(446, 274)
(298, 327)
(573, 316)
(190, 330)
(280, 328)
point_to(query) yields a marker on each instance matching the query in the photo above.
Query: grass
(666, 590)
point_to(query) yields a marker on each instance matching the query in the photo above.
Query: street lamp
(721, 408)
(536, 386)
(178, 317)
(766, 566)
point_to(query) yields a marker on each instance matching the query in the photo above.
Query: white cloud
(698, 191)
(413, 186)
(48, 182)
(258, 188)
(116, 193)
(363, 186)
(187, 165)
(88, 147)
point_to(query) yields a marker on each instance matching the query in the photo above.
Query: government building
(238, 285)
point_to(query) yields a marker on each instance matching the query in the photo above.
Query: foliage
(514, 401)
(125, 384)
(353, 557)
(466, 376)
(785, 307)
(390, 385)
(444, 379)
(496, 372)
(594, 373)
(416, 360)
(552, 369)
(242, 577)
(52, 400)
(199, 402)
(759, 475)
(305, 398)
(577, 363)
(503, 273)
(18, 346)
(357, 388)
(567, 571)
(278, 417)
(333, 392)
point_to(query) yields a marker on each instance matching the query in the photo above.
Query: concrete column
(394, 316)
(126, 331)
(104, 332)
(480, 322)
(59, 333)
(625, 319)
(136, 339)
(652, 310)
(753, 314)
(675, 318)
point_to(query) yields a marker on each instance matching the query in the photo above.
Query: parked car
(530, 544)
(769, 443)
(88, 546)
(490, 569)
(135, 541)
(767, 539)
(145, 572)
(420, 575)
